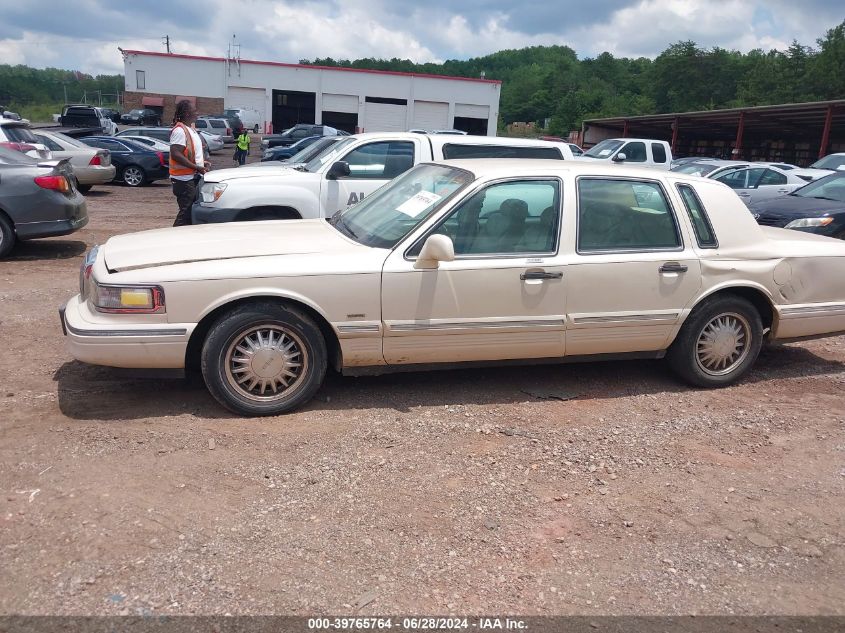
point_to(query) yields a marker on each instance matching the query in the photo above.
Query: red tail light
(95, 160)
(161, 158)
(19, 147)
(59, 183)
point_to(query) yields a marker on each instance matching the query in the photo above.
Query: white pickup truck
(640, 152)
(344, 174)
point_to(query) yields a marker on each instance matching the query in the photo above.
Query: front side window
(621, 215)
(510, 218)
(700, 222)
(634, 152)
(741, 178)
(140, 80)
(382, 160)
(384, 218)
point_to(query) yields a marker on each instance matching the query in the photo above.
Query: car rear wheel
(84, 188)
(264, 359)
(134, 176)
(7, 236)
(719, 342)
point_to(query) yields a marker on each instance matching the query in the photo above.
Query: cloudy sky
(84, 34)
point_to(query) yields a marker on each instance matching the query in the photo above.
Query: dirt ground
(428, 493)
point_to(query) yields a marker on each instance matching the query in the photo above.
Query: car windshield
(834, 161)
(382, 219)
(312, 150)
(603, 149)
(828, 188)
(328, 154)
(696, 169)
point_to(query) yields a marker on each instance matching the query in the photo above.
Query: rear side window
(659, 152)
(624, 215)
(455, 150)
(218, 124)
(704, 234)
(771, 177)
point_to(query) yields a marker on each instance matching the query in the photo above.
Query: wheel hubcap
(266, 362)
(723, 344)
(132, 176)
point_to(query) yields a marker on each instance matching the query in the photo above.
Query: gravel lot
(427, 493)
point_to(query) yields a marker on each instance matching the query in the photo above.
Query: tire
(84, 188)
(134, 176)
(729, 327)
(224, 364)
(7, 236)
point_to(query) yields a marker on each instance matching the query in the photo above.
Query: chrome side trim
(358, 329)
(473, 325)
(629, 318)
(159, 332)
(821, 309)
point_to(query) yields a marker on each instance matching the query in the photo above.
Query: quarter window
(619, 215)
(140, 80)
(384, 160)
(700, 222)
(510, 218)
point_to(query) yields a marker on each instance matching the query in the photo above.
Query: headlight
(128, 299)
(805, 223)
(211, 191)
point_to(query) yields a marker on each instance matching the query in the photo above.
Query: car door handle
(673, 267)
(539, 274)
(783, 190)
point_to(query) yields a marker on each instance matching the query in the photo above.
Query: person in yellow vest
(186, 160)
(243, 146)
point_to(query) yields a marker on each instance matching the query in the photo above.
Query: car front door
(370, 166)
(502, 297)
(633, 274)
(771, 185)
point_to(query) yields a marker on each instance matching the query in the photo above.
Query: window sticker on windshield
(418, 203)
(605, 152)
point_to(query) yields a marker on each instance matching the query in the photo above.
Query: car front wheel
(719, 342)
(7, 236)
(134, 176)
(264, 359)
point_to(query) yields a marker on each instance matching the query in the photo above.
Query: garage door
(385, 117)
(340, 103)
(249, 98)
(431, 115)
(472, 111)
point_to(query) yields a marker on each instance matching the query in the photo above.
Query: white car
(91, 166)
(251, 119)
(758, 183)
(214, 141)
(637, 152)
(157, 144)
(18, 132)
(461, 262)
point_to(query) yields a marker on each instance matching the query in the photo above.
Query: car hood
(255, 171)
(796, 207)
(206, 242)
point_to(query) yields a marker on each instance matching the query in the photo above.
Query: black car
(296, 133)
(143, 116)
(38, 199)
(283, 153)
(818, 207)
(135, 164)
(112, 114)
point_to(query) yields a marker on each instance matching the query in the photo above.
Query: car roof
(504, 167)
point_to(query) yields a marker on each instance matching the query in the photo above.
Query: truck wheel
(264, 359)
(134, 176)
(7, 236)
(719, 342)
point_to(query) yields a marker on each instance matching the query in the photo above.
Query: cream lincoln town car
(477, 260)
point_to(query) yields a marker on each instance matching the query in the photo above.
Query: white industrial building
(284, 94)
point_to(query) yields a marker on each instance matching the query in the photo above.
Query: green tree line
(541, 82)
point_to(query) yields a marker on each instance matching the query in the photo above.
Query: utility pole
(166, 41)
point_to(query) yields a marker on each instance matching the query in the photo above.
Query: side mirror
(340, 169)
(619, 158)
(437, 248)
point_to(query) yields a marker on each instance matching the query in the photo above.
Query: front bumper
(212, 215)
(105, 340)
